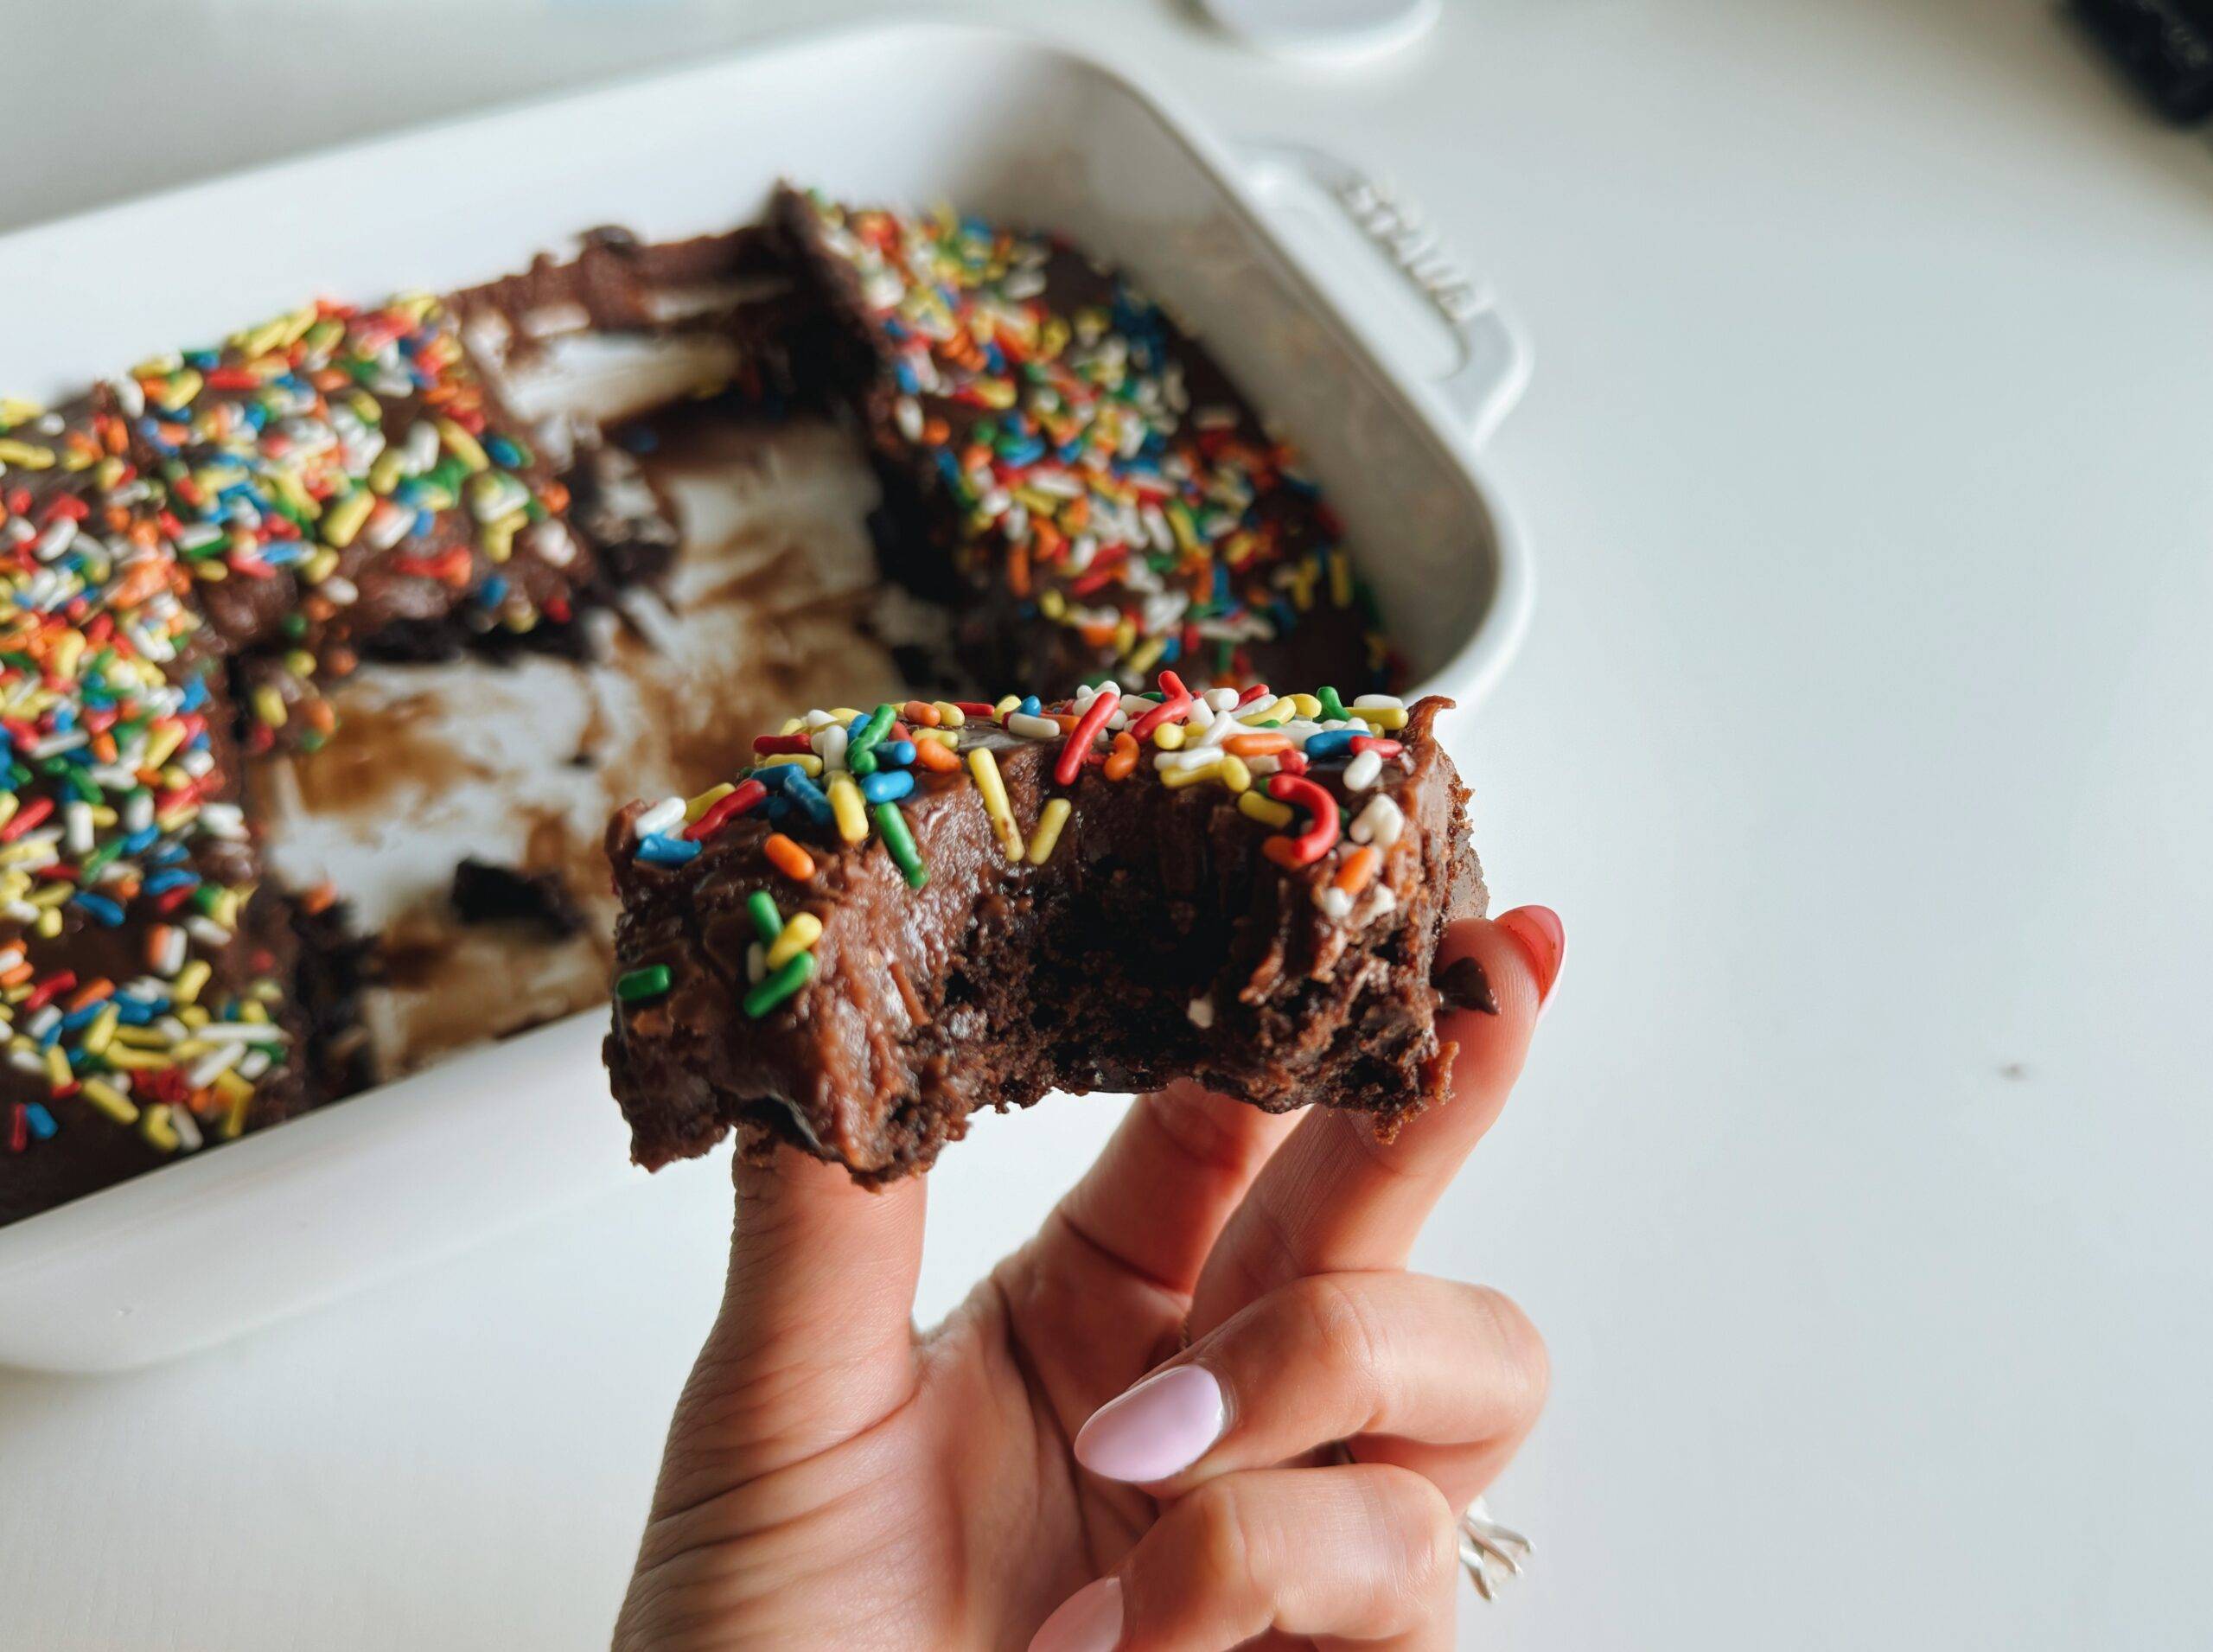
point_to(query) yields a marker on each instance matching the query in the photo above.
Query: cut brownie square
(898, 917)
(144, 973)
(341, 476)
(1071, 468)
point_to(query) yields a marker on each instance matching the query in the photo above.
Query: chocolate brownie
(898, 917)
(336, 474)
(1072, 469)
(145, 976)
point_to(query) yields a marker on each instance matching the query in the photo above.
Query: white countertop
(1865, 740)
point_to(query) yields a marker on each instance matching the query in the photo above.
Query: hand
(832, 1481)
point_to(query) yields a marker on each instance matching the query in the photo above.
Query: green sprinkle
(647, 983)
(1333, 709)
(901, 843)
(771, 990)
(767, 922)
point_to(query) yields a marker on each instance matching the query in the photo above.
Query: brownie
(337, 474)
(144, 974)
(964, 907)
(1071, 468)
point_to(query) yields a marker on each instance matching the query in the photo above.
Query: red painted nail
(1538, 931)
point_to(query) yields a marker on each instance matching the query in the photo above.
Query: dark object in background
(485, 893)
(2166, 47)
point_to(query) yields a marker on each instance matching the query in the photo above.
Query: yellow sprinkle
(706, 800)
(1047, 835)
(57, 1067)
(845, 808)
(239, 1095)
(25, 455)
(463, 445)
(159, 1131)
(1052, 604)
(1340, 579)
(1144, 660)
(385, 472)
(9, 804)
(50, 923)
(110, 1101)
(1265, 810)
(319, 566)
(845, 713)
(801, 930)
(1305, 705)
(985, 768)
(343, 520)
(1382, 716)
(1177, 779)
(953, 717)
(1169, 736)
(191, 979)
(793, 725)
(1007, 705)
(1261, 711)
(807, 763)
(1233, 772)
(943, 736)
(15, 411)
(102, 1029)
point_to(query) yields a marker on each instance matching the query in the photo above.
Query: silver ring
(1491, 1552)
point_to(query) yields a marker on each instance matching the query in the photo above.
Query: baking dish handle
(1493, 364)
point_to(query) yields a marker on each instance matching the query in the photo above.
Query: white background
(1864, 740)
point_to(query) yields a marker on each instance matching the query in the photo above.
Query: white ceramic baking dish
(212, 1246)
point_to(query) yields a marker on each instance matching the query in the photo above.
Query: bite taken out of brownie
(899, 916)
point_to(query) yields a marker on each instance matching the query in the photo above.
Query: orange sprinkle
(1255, 745)
(788, 858)
(1017, 570)
(1123, 759)
(936, 755)
(1359, 867)
(92, 991)
(921, 711)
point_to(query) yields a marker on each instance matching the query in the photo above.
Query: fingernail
(1158, 1428)
(1538, 931)
(1090, 1620)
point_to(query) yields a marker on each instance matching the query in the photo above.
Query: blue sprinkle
(99, 906)
(888, 785)
(898, 753)
(1031, 707)
(41, 1121)
(1173, 651)
(133, 1013)
(503, 452)
(664, 851)
(805, 792)
(1330, 742)
(138, 842)
(177, 877)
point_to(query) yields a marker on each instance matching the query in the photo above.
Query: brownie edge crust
(1058, 898)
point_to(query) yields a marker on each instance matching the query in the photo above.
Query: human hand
(831, 1479)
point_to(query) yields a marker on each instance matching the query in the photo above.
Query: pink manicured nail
(1090, 1620)
(1543, 940)
(1158, 1428)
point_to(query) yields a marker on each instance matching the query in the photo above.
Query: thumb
(816, 1341)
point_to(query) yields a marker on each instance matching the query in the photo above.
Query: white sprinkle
(756, 962)
(208, 932)
(242, 1032)
(188, 1129)
(1221, 699)
(667, 813)
(1032, 728)
(78, 815)
(829, 742)
(1364, 769)
(1380, 823)
(1382, 702)
(1201, 1010)
(549, 541)
(1335, 904)
(212, 1066)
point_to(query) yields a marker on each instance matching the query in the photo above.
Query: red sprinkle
(1087, 729)
(779, 743)
(27, 817)
(1376, 743)
(1321, 834)
(1173, 709)
(725, 809)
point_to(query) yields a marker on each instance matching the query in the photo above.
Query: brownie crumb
(1465, 987)
(486, 893)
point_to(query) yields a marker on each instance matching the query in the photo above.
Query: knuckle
(1336, 1317)
(1212, 1540)
(1524, 1363)
(1416, 1520)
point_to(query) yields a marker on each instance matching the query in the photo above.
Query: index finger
(1335, 1199)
